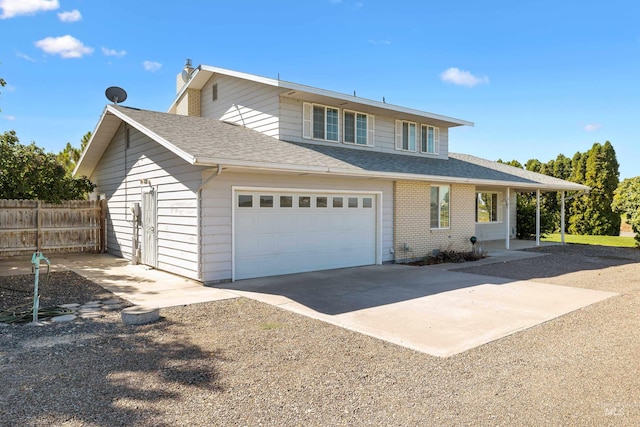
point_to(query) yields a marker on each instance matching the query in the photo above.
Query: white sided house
(247, 176)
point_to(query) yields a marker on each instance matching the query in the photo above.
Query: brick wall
(412, 228)
(189, 104)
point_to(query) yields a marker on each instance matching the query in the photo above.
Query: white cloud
(11, 8)
(73, 16)
(113, 52)
(152, 66)
(459, 77)
(383, 42)
(10, 118)
(65, 46)
(25, 56)
(592, 127)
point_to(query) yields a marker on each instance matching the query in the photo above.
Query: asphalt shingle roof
(211, 141)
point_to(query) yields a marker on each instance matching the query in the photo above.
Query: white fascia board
(309, 89)
(372, 103)
(157, 138)
(275, 167)
(90, 143)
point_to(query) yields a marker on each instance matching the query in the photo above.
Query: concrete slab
(137, 284)
(431, 309)
(428, 309)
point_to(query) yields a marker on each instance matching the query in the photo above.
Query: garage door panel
(292, 239)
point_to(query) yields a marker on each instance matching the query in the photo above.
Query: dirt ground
(240, 362)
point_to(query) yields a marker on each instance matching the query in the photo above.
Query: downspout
(537, 217)
(507, 243)
(218, 171)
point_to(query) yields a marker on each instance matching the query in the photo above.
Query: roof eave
(277, 167)
(81, 167)
(97, 137)
(203, 72)
(151, 134)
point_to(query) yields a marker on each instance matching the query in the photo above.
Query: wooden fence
(27, 226)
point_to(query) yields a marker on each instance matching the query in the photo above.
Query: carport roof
(210, 142)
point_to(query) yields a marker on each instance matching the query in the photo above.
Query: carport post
(537, 217)
(562, 218)
(507, 242)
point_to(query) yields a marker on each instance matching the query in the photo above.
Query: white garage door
(283, 232)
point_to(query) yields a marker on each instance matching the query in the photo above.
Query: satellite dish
(116, 94)
(187, 71)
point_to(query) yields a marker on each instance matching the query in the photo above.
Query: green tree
(592, 213)
(533, 165)
(526, 217)
(626, 201)
(28, 172)
(70, 156)
(513, 163)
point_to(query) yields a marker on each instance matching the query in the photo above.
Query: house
(247, 176)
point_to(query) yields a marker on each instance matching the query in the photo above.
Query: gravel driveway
(240, 362)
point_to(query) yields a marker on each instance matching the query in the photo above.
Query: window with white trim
(405, 135)
(320, 122)
(487, 207)
(429, 139)
(357, 128)
(440, 195)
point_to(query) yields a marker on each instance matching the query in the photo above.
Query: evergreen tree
(513, 163)
(533, 165)
(70, 156)
(592, 213)
(626, 201)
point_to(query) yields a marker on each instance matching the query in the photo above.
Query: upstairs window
(429, 139)
(320, 122)
(486, 207)
(357, 128)
(405, 136)
(440, 196)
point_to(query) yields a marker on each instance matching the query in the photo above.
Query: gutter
(272, 167)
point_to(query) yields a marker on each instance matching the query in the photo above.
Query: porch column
(508, 218)
(537, 217)
(562, 218)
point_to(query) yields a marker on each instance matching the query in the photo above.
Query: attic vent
(214, 92)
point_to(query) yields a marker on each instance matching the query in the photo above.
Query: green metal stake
(35, 260)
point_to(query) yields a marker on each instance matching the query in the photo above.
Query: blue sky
(537, 78)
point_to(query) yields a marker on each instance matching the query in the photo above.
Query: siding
(118, 176)
(498, 230)
(250, 104)
(384, 134)
(216, 209)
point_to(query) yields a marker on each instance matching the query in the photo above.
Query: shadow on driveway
(351, 289)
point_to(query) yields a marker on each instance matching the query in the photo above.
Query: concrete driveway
(428, 309)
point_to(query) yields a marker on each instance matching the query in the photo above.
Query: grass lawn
(593, 240)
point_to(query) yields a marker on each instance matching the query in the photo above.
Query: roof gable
(201, 75)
